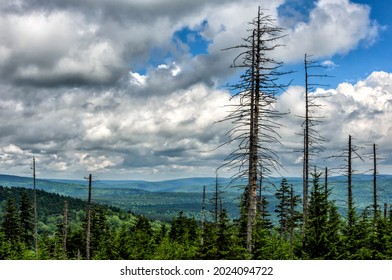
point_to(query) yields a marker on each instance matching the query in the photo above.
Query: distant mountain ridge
(164, 199)
(194, 184)
(174, 185)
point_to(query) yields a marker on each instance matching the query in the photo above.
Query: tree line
(116, 234)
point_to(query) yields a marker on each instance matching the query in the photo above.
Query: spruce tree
(11, 221)
(264, 215)
(27, 219)
(333, 232)
(295, 217)
(228, 243)
(283, 207)
(315, 236)
(99, 230)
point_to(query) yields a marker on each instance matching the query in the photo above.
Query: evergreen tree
(26, 219)
(11, 222)
(209, 249)
(142, 244)
(334, 233)
(264, 215)
(380, 239)
(262, 236)
(315, 239)
(228, 244)
(295, 216)
(5, 247)
(99, 230)
(283, 208)
(357, 237)
(183, 229)
(76, 241)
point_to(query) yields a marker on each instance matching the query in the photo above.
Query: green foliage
(288, 215)
(11, 222)
(26, 219)
(116, 234)
(184, 230)
(264, 214)
(221, 241)
(315, 239)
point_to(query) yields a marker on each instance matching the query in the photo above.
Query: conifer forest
(304, 223)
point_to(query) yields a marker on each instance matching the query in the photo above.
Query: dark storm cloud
(141, 11)
(73, 43)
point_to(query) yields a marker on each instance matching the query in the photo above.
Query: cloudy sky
(132, 89)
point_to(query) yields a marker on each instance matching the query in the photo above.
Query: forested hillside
(116, 234)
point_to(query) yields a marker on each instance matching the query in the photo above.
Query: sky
(135, 89)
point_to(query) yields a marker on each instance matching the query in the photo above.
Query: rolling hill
(164, 199)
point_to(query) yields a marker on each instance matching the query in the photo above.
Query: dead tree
(215, 200)
(311, 136)
(348, 155)
(326, 182)
(374, 185)
(376, 207)
(254, 116)
(88, 230)
(65, 228)
(203, 214)
(35, 211)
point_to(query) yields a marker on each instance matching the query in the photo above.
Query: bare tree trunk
(203, 214)
(88, 219)
(253, 155)
(35, 211)
(312, 138)
(374, 185)
(253, 117)
(260, 187)
(306, 147)
(216, 198)
(292, 212)
(326, 182)
(65, 230)
(349, 184)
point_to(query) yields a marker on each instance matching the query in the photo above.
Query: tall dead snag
(35, 211)
(65, 229)
(348, 156)
(216, 200)
(312, 138)
(375, 205)
(203, 214)
(350, 208)
(254, 116)
(326, 182)
(88, 230)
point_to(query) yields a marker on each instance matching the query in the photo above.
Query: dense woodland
(116, 234)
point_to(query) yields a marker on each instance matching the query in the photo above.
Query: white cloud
(329, 64)
(12, 149)
(137, 79)
(363, 110)
(334, 27)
